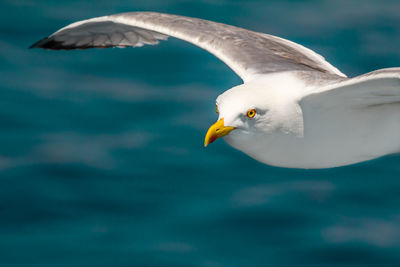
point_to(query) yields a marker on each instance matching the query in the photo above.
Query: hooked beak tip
(216, 131)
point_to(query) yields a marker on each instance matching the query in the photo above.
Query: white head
(249, 113)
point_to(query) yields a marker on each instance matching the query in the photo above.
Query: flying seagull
(293, 110)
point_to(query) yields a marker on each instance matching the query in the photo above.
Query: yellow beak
(216, 131)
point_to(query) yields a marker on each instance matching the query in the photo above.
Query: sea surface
(102, 159)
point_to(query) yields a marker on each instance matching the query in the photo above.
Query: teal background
(102, 159)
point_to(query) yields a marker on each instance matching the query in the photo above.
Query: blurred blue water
(101, 157)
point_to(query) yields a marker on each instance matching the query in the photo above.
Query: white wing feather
(356, 119)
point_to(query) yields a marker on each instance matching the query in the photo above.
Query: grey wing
(246, 52)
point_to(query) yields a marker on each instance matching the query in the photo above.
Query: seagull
(293, 110)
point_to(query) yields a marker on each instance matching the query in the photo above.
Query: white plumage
(307, 113)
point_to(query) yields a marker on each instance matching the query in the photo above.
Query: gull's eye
(216, 109)
(251, 113)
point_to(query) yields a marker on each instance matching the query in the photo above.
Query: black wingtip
(40, 44)
(51, 44)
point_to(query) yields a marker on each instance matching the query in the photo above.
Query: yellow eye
(216, 109)
(251, 113)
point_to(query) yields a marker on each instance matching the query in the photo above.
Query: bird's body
(294, 109)
(334, 133)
